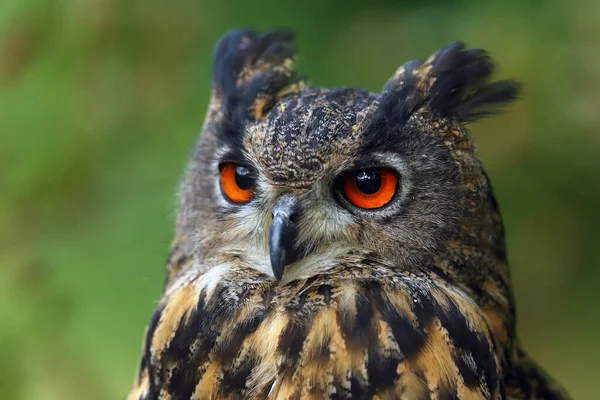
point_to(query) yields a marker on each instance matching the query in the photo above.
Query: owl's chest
(317, 340)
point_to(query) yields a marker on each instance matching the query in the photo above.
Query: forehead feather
(306, 133)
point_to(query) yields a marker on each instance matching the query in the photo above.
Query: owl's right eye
(370, 188)
(237, 182)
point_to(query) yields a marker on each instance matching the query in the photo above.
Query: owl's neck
(474, 257)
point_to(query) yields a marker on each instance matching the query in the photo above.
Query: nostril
(293, 217)
(287, 208)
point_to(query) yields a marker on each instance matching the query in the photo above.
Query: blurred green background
(100, 105)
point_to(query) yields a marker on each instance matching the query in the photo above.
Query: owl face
(289, 179)
(305, 185)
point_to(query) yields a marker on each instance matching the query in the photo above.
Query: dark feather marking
(204, 325)
(234, 379)
(358, 390)
(286, 119)
(232, 341)
(410, 339)
(142, 366)
(290, 343)
(465, 341)
(448, 393)
(317, 116)
(357, 330)
(152, 376)
(292, 338)
(184, 380)
(225, 301)
(148, 352)
(198, 327)
(468, 341)
(382, 370)
(502, 389)
(469, 375)
(325, 291)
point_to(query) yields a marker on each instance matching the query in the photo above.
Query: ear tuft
(453, 82)
(488, 100)
(250, 69)
(457, 82)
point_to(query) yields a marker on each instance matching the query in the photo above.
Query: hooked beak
(282, 235)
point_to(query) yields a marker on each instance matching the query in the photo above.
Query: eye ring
(370, 188)
(237, 182)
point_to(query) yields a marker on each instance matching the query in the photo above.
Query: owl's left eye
(370, 188)
(237, 182)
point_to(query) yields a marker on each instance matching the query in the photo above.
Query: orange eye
(370, 188)
(237, 182)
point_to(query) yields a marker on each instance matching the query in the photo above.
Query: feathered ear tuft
(457, 81)
(453, 82)
(250, 70)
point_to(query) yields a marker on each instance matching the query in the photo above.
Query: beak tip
(277, 263)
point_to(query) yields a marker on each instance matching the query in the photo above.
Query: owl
(339, 243)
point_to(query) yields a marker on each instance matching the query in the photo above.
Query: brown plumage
(300, 292)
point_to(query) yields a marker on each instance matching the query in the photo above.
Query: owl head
(292, 180)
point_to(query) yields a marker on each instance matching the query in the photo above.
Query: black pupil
(368, 182)
(243, 178)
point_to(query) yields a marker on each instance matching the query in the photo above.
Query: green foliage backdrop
(101, 102)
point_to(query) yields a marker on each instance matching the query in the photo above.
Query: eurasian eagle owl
(338, 243)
